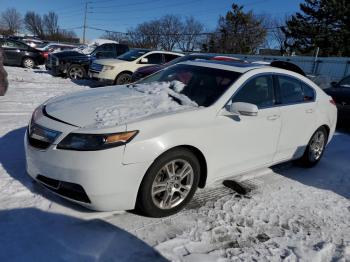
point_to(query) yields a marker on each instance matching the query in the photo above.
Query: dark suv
(75, 64)
(20, 54)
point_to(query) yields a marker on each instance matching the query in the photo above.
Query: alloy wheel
(172, 184)
(317, 144)
(28, 63)
(76, 73)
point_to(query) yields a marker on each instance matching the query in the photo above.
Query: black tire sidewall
(120, 76)
(78, 66)
(305, 160)
(144, 199)
(28, 58)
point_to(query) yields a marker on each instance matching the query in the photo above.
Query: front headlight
(92, 142)
(107, 67)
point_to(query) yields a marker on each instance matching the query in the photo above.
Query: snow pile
(149, 100)
(281, 220)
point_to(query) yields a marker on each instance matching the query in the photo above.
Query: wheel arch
(123, 72)
(199, 155)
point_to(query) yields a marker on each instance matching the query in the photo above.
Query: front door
(249, 142)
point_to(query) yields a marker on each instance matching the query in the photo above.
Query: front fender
(147, 150)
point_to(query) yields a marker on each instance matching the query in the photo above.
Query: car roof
(224, 65)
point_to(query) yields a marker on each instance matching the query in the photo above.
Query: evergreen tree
(321, 23)
(238, 32)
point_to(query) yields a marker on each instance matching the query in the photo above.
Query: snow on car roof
(224, 65)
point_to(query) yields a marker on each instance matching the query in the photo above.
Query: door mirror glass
(244, 109)
(144, 60)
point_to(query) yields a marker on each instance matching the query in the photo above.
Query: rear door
(297, 103)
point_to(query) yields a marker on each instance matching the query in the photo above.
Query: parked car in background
(119, 71)
(20, 54)
(340, 92)
(54, 47)
(35, 43)
(75, 63)
(150, 145)
(148, 70)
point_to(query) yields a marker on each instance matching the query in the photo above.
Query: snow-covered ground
(291, 214)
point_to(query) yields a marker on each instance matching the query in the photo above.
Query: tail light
(332, 101)
(45, 54)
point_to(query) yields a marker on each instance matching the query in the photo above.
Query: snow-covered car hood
(118, 105)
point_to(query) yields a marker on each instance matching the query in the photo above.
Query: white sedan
(151, 144)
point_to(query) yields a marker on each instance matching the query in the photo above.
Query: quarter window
(258, 91)
(290, 90)
(309, 93)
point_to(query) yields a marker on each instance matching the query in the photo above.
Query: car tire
(76, 72)
(315, 148)
(161, 195)
(123, 79)
(28, 63)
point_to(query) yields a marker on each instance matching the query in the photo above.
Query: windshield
(202, 85)
(132, 55)
(88, 49)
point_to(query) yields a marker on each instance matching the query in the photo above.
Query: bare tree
(276, 38)
(11, 20)
(171, 31)
(34, 24)
(115, 36)
(191, 35)
(50, 22)
(146, 35)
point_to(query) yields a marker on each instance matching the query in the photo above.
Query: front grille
(96, 67)
(66, 189)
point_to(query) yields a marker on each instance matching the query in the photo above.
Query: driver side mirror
(144, 60)
(244, 109)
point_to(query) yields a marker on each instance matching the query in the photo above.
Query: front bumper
(97, 76)
(108, 184)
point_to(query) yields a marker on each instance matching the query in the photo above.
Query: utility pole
(84, 26)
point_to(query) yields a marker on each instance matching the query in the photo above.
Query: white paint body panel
(231, 145)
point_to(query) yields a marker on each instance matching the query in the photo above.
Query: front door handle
(273, 117)
(309, 111)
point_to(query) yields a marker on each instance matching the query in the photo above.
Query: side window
(290, 90)
(121, 49)
(155, 58)
(309, 93)
(258, 91)
(169, 57)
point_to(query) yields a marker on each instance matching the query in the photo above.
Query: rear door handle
(309, 111)
(273, 117)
